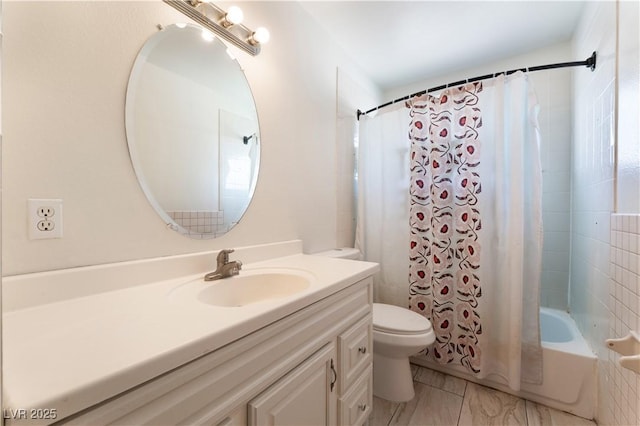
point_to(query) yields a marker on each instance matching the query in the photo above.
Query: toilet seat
(395, 320)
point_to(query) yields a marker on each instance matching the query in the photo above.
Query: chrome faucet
(225, 268)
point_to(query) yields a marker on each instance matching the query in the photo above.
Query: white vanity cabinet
(312, 367)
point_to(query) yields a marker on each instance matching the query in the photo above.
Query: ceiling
(402, 42)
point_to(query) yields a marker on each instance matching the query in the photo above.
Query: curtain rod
(590, 63)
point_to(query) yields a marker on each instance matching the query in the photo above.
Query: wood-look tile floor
(446, 400)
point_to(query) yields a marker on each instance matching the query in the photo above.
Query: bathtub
(568, 370)
(568, 367)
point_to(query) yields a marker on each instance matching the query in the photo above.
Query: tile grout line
(394, 413)
(464, 396)
(440, 389)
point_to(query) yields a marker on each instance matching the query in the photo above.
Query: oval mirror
(192, 130)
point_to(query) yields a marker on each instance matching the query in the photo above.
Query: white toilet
(398, 333)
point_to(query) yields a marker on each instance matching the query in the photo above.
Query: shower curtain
(474, 226)
(382, 235)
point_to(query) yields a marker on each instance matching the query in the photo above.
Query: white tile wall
(622, 386)
(553, 89)
(603, 259)
(200, 222)
(592, 187)
(592, 173)
(629, 107)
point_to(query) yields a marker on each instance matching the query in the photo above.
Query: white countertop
(71, 354)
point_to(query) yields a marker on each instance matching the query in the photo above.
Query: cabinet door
(304, 396)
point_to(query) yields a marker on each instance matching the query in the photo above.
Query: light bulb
(234, 16)
(181, 25)
(207, 35)
(260, 36)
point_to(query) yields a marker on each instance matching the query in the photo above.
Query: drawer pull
(334, 374)
(363, 407)
(362, 349)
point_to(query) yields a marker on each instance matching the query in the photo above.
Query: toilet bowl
(398, 333)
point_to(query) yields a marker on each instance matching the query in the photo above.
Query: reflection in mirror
(192, 130)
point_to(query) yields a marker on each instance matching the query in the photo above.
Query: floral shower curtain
(476, 227)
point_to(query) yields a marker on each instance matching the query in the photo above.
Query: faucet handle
(237, 266)
(223, 256)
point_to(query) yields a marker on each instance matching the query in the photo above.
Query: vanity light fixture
(259, 36)
(234, 16)
(207, 35)
(227, 25)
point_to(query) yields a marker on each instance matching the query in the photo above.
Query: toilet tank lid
(341, 253)
(394, 319)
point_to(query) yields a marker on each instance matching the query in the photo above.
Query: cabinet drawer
(356, 405)
(237, 418)
(355, 347)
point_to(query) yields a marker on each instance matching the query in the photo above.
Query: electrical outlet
(46, 211)
(45, 218)
(45, 225)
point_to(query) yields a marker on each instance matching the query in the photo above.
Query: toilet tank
(341, 253)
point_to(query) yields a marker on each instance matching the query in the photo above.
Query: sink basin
(251, 286)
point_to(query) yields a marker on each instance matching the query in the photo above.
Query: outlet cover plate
(44, 218)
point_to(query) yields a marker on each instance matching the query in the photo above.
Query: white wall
(605, 286)
(628, 184)
(553, 90)
(65, 71)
